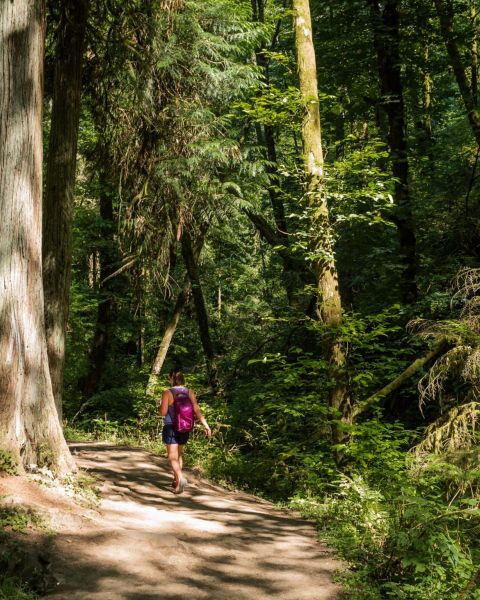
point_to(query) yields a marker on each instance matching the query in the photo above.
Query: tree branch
(439, 348)
(266, 230)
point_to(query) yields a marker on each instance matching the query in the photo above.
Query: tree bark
(329, 309)
(191, 264)
(385, 21)
(29, 425)
(445, 16)
(60, 183)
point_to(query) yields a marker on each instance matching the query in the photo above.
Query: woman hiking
(173, 439)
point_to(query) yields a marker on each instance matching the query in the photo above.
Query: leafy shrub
(7, 463)
(19, 519)
(403, 539)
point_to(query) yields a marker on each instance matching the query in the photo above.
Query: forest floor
(145, 543)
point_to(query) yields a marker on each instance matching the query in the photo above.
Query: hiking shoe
(181, 486)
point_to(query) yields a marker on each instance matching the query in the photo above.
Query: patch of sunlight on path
(209, 543)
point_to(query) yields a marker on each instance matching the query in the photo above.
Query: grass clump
(11, 588)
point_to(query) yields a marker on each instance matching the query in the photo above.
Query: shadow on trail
(207, 543)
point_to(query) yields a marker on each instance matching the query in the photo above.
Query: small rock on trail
(208, 543)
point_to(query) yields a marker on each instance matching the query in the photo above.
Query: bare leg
(180, 455)
(173, 457)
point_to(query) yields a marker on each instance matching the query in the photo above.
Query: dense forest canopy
(283, 199)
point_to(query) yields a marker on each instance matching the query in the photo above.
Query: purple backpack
(183, 413)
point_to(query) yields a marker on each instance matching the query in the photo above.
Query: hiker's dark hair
(177, 377)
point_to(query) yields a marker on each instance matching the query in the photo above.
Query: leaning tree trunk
(29, 425)
(171, 327)
(329, 310)
(386, 34)
(182, 300)
(60, 182)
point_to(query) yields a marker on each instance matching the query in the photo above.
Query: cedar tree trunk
(29, 425)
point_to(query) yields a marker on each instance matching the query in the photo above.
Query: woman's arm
(199, 413)
(167, 394)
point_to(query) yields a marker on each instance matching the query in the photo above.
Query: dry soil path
(148, 544)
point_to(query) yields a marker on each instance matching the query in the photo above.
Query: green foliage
(7, 463)
(178, 112)
(12, 589)
(18, 519)
(403, 538)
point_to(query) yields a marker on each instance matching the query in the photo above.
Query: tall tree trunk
(329, 308)
(60, 183)
(139, 277)
(106, 305)
(427, 85)
(474, 50)
(181, 302)
(191, 263)
(424, 122)
(445, 15)
(29, 425)
(266, 138)
(385, 21)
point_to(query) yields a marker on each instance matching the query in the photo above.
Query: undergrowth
(7, 463)
(406, 527)
(11, 588)
(18, 519)
(15, 520)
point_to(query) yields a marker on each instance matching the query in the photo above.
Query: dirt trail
(148, 544)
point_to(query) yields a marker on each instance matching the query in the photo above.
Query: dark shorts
(170, 436)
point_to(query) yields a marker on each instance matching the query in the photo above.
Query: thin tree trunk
(445, 16)
(266, 138)
(29, 425)
(427, 87)
(181, 302)
(470, 587)
(191, 264)
(385, 21)
(60, 183)
(105, 312)
(474, 50)
(329, 310)
(140, 315)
